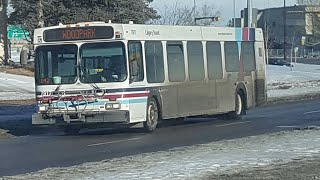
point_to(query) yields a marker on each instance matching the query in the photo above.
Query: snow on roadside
(197, 161)
(4, 134)
(16, 87)
(304, 79)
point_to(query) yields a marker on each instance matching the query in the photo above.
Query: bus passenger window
(176, 66)
(232, 56)
(195, 61)
(214, 59)
(248, 56)
(154, 61)
(135, 61)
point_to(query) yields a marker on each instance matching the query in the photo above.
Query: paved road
(35, 152)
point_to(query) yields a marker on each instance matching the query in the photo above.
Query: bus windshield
(103, 62)
(56, 64)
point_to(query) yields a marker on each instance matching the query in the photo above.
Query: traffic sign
(16, 32)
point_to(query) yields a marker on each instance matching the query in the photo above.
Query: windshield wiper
(84, 71)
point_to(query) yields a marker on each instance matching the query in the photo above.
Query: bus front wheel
(152, 116)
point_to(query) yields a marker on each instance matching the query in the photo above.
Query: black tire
(71, 130)
(152, 116)
(240, 108)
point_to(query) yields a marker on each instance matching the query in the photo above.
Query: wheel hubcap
(153, 114)
(238, 104)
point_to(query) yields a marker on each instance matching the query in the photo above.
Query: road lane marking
(244, 122)
(112, 142)
(311, 112)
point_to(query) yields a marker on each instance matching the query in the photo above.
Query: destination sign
(78, 33)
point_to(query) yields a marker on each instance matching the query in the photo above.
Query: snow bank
(195, 161)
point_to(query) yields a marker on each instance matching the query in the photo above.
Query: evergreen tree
(26, 12)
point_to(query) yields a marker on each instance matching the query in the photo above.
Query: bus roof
(93, 31)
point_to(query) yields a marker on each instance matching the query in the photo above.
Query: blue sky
(225, 6)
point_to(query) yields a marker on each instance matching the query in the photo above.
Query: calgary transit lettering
(79, 34)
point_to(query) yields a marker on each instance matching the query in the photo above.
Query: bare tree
(268, 38)
(308, 2)
(178, 14)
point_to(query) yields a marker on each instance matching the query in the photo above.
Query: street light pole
(194, 12)
(284, 30)
(249, 9)
(234, 13)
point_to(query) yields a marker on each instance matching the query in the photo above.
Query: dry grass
(18, 102)
(24, 71)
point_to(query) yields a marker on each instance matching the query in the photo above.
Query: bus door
(138, 104)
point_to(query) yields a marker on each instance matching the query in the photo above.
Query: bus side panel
(260, 83)
(138, 109)
(193, 98)
(226, 94)
(250, 89)
(169, 95)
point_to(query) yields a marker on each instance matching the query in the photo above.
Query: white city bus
(96, 74)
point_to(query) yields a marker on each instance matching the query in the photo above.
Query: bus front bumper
(119, 116)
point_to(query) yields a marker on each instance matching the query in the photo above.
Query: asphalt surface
(35, 152)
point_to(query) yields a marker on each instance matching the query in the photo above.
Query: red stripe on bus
(74, 98)
(116, 96)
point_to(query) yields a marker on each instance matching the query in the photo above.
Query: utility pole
(194, 12)
(3, 29)
(284, 30)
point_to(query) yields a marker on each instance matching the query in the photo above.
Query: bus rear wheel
(152, 116)
(239, 108)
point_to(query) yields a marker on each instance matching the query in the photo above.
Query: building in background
(302, 28)
(301, 22)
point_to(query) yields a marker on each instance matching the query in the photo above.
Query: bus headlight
(43, 108)
(113, 106)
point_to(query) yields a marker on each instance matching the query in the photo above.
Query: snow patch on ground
(4, 134)
(16, 87)
(196, 161)
(304, 79)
